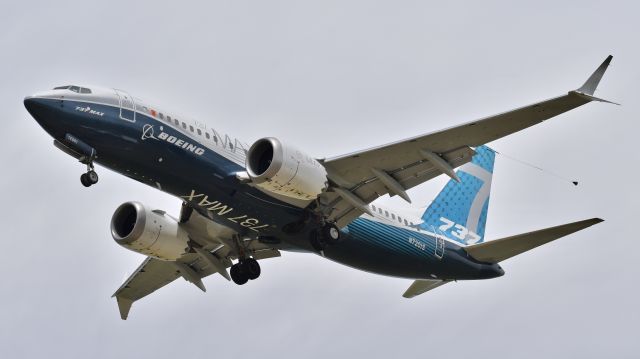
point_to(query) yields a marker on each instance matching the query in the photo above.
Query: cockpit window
(76, 89)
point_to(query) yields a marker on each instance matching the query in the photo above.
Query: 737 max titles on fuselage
(317, 206)
(224, 211)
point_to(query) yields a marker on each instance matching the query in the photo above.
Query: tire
(92, 176)
(237, 275)
(331, 234)
(251, 268)
(85, 180)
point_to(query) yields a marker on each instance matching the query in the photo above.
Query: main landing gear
(327, 235)
(90, 178)
(245, 270)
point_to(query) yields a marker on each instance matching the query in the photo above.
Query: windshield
(76, 89)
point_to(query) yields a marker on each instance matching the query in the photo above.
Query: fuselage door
(127, 106)
(439, 247)
(439, 250)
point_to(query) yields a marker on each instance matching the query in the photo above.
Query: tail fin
(460, 210)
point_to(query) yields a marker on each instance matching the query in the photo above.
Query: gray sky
(330, 77)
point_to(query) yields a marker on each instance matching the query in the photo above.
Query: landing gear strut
(245, 270)
(90, 178)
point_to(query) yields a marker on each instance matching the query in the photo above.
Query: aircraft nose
(45, 111)
(28, 101)
(37, 107)
(31, 104)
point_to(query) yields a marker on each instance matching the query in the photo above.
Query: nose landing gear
(90, 178)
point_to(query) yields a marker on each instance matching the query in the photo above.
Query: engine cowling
(150, 232)
(282, 169)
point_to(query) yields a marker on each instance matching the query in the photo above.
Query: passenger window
(399, 219)
(393, 216)
(405, 223)
(161, 116)
(386, 213)
(184, 125)
(380, 210)
(199, 132)
(374, 207)
(207, 135)
(191, 128)
(177, 122)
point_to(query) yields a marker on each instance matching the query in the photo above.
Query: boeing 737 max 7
(242, 204)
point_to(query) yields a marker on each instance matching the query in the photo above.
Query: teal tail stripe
(459, 212)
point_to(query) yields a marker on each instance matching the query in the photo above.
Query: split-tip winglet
(589, 87)
(587, 90)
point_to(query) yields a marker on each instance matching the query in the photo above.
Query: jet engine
(150, 232)
(282, 169)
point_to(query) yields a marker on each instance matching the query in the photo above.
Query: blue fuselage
(165, 156)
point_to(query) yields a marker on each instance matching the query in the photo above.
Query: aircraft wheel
(84, 179)
(251, 268)
(331, 233)
(238, 275)
(92, 176)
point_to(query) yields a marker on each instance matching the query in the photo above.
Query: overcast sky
(330, 77)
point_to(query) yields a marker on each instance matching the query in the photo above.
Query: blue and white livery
(244, 203)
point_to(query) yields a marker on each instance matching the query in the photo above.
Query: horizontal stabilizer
(423, 285)
(505, 248)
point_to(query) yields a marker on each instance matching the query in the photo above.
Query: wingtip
(589, 87)
(124, 306)
(591, 222)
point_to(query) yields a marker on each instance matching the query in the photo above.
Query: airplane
(242, 204)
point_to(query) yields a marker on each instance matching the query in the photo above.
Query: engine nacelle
(284, 170)
(152, 233)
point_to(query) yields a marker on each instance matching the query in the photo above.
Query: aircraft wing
(214, 256)
(361, 177)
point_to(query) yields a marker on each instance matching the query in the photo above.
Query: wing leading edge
(415, 160)
(214, 255)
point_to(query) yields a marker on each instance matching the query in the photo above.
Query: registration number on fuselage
(225, 211)
(418, 244)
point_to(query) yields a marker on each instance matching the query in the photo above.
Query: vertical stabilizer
(459, 212)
